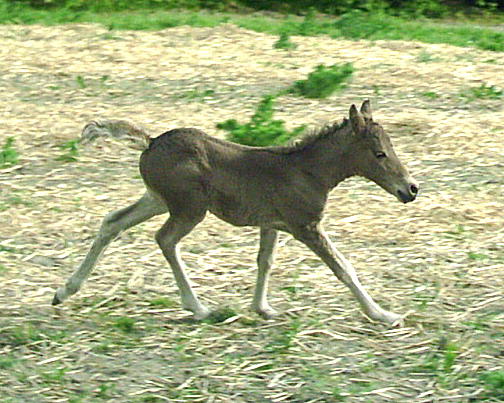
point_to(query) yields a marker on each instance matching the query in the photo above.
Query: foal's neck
(327, 157)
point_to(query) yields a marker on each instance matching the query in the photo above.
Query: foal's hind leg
(316, 239)
(167, 238)
(265, 259)
(112, 225)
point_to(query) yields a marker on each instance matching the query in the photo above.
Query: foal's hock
(188, 173)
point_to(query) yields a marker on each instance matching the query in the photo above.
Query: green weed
(7, 249)
(494, 384)
(476, 256)
(55, 376)
(103, 348)
(262, 130)
(323, 81)
(195, 95)
(163, 302)
(441, 362)
(3, 269)
(7, 362)
(426, 57)
(284, 42)
(319, 383)
(430, 95)
(127, 325)
(71, 151)
(81, 82)
(482, 92)
(14, 200)
(220, 315)
(21, 335)
(106, 390)
(283, 341)
(8, 154)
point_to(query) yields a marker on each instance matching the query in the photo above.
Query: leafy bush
(8, 154)
(323, 81)
(262, 130)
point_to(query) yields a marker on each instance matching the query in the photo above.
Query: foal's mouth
(408, 196)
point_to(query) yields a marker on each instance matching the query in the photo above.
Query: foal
(188, 173)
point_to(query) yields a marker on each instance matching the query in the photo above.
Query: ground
(124, 338)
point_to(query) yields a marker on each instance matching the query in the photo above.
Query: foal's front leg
(317, 240)
(265, 258)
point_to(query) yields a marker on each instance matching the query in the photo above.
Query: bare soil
(439, 260)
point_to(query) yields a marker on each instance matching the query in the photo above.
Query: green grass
(426, 57)
(483, 91)
(8, 154)
(284, 42)
(125, 324)
(70, 147)
(163, 302)
(430, 95)
(494, 384)
(353, 25)
(324, 81)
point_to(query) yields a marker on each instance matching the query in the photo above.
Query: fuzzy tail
(135, 136)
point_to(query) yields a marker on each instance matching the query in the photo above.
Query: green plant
(323, 81)
(163, 302)
(72, 151)
(284, 42)
(125, 324)
(81, 82)
(55, 376)
(483, 92)
(220, 315)
(494, 384)
(426, 57)
(282, 342)
(430, 95)
(476, 256)
(21, 335)
(262, 130)
(7, 362)
(195, 94)
(105, 390)
(8, 154)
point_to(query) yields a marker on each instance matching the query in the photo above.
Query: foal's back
(242, 185)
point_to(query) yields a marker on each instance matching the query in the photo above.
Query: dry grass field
(124, 338)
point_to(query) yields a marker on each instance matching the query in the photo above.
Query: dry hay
(439, 259)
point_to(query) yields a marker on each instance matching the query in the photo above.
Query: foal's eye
(380, 155)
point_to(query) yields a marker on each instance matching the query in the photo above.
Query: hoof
(390, 319)
(268, 313)
(202, 315)
(56, 300)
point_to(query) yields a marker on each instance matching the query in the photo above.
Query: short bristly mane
(314, 135)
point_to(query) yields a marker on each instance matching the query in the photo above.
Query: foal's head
(374, 157)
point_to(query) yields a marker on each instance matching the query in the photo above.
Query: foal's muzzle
(409, 194)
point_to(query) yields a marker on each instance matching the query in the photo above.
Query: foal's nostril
(414, 189)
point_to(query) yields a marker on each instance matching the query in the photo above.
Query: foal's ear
(366, 110)
(357, 120)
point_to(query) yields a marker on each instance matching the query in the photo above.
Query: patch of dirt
(439, 259)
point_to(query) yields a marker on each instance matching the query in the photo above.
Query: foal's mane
(313, 136)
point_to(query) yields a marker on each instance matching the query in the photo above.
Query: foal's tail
(135, 136)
